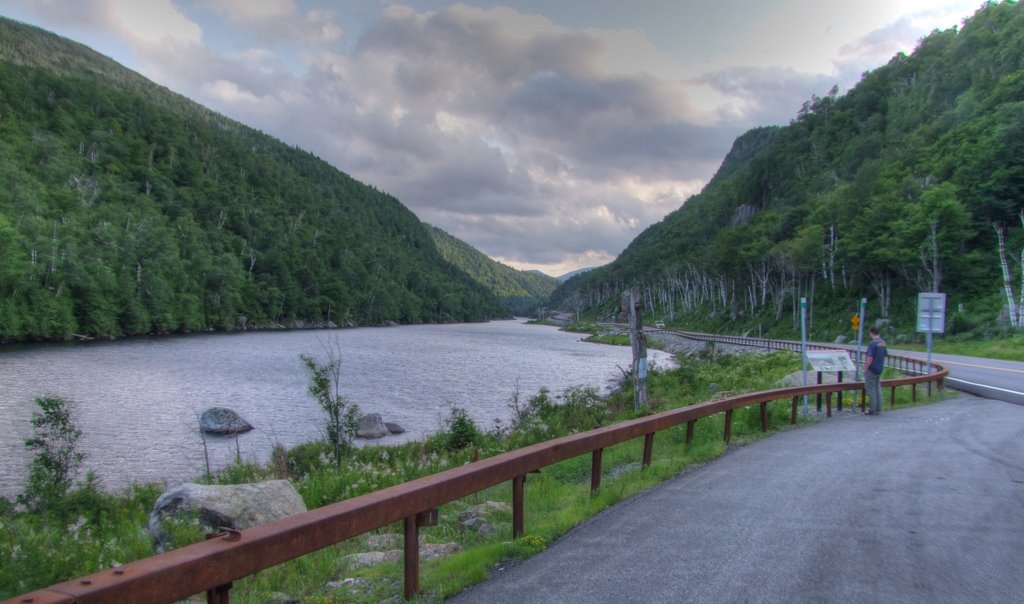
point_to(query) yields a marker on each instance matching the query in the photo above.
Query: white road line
(949, 379)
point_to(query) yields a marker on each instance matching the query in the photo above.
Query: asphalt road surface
(917, 505)
(1002, 380)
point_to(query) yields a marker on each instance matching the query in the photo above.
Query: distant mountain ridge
(129, 209)
(520, 291)
(907, 183)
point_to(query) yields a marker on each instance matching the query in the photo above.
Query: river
(137, 401)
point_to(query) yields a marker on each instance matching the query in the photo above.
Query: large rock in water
(237, 506)
(221, 420)
(371, 425)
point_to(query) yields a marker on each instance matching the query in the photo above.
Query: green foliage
(325, 388)
(462, 431)
(94, 530)
(128, 209)
(520, 291)
(885, 191)
(56, 458)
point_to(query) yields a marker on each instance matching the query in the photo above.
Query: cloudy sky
(546, 133)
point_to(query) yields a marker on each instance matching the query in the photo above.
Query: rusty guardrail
(212, 565)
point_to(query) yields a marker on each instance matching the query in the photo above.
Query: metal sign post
(803, 343)
(931, 318)
(858, 325)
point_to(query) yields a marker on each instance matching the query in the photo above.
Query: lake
(138, 401)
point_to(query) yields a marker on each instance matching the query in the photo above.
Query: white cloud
(543, 144)
(279, 20)
(152, 21)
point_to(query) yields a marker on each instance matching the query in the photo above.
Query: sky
(546, 133)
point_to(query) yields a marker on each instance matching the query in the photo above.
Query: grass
(1007, 349)
(40, 550)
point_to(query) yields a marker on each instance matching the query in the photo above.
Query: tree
(57, 459)
(325, 387)
(1015, 311)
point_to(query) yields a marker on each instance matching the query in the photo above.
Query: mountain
(128, 209)
(902, 185)
(520, 291)
(572, 274)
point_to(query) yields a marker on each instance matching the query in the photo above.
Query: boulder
(221, 420)
(394, 428)
(236, 506)
(371, 425)
(841, 339)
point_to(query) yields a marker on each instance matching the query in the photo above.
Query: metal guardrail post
(839, 395)
(517, 506)
(648, 449)
(412, 558)
(728, 425)
(221, 593)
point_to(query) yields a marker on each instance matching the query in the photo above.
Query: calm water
(138, 401)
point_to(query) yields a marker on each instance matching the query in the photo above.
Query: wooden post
(595, 470)
(648, 448)
(638, 342)
(764, 417)
(792, 415)
(689, 430)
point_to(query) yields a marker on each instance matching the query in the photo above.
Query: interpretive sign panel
(931, 313)
(830, 360)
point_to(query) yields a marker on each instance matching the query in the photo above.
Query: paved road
(993, 378)
(918, 505)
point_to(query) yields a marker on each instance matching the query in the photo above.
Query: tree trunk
(1007, 279)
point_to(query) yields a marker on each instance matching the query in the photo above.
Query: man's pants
(873, 385)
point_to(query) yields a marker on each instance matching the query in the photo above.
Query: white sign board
(931, 313)
(830, 360)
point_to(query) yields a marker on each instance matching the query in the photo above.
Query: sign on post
(931, 318)
(830, 360)
(855, 322)
(931, 313)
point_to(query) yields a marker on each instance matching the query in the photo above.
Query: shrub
(56, 462)
(325, 387)
(462, 431)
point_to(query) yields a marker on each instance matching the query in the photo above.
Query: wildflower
(78, 524)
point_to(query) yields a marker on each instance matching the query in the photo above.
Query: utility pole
(638, 342)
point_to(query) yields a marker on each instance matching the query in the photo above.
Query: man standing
(873, 366)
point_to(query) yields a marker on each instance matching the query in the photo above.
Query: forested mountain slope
(903, 184)
(128, 209)
(520, 291)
